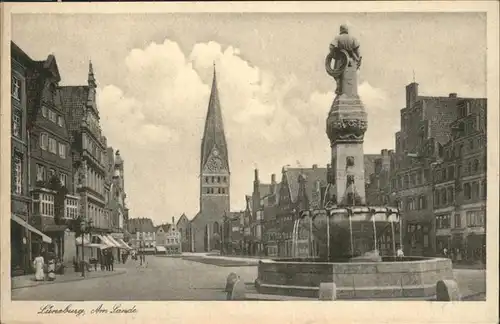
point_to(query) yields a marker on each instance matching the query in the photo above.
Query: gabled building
(183, 228)
(116, 202)
(21, 231)
(214, 179)
(50, 165)
(88, 149)
(143, 234)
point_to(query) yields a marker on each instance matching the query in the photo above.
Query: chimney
(173, 220)
(453, 95)
(273, 178)
(315, 166)
(256, 175)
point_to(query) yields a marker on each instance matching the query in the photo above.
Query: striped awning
(105, 240)
(113, 241)
(78, 241)
(123, 244)
(32, 229)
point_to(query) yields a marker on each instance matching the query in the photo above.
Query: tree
(59, 198)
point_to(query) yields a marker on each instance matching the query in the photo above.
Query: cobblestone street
(164, 278)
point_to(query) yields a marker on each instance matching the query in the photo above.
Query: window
(422, 202)
(44, 111)
(467, 191)
(62, 150)
(436, 198)
(52, 146)
(17, 122)
(60, 121)
(206, 179)
(44, 139)
(213, 179)
(442, 221)
(71, 208)
(63, 178)
(52, 116)
(475, 189)
(17, 174)
(46, 203)
(475, 166)
(458, 221)
(451, 172)
(224, 179)
(451, 196)
(444, 199)
(15, 88)
(483, 189)
(40, 172)
(52, 173)
(475, 218)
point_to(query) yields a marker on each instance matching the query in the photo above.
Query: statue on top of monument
(344, 49)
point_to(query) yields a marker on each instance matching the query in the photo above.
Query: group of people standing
(107, 260)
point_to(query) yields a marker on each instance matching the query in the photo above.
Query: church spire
(213, 135)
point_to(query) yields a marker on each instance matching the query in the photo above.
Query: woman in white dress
(38, 264)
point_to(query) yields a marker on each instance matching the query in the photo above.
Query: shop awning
(123, 244)
(32, 229)
(160, 249)
(104, 241)
(115, 243)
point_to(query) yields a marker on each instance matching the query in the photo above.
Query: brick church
(206, 226)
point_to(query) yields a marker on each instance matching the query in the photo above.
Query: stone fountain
(344, 235)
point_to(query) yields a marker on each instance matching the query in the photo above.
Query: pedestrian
(399, 253)
(111, 262)
(38, 264)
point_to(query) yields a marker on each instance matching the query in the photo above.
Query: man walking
(111, 262)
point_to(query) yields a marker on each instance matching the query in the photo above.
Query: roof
(182, 218)
(165, 227)
(213, 135)
(74, 99)
(264, 189)
(141, 225)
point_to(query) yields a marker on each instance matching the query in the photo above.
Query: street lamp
(85, 228)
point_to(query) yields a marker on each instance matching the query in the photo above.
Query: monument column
(346, 123)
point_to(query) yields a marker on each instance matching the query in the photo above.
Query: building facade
(425, 127)
(183, 228)
(460, 185)
(88, 148)
(54, 204)
(143, 235)
(20, 196)
(214, 180)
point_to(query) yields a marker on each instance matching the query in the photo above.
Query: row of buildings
(62, 167)
(165, 238)
(436, 175)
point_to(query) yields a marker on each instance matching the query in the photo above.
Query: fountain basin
(409, 277)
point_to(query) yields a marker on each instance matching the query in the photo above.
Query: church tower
(214, 178)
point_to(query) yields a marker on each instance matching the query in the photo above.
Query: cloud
(156, 119)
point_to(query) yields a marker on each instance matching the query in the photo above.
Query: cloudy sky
(154, 73)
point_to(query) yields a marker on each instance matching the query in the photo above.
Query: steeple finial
(91, 79)
(413, 76)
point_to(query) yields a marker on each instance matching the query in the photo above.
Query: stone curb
(35, 284)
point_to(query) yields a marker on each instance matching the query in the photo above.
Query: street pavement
(164, 278)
